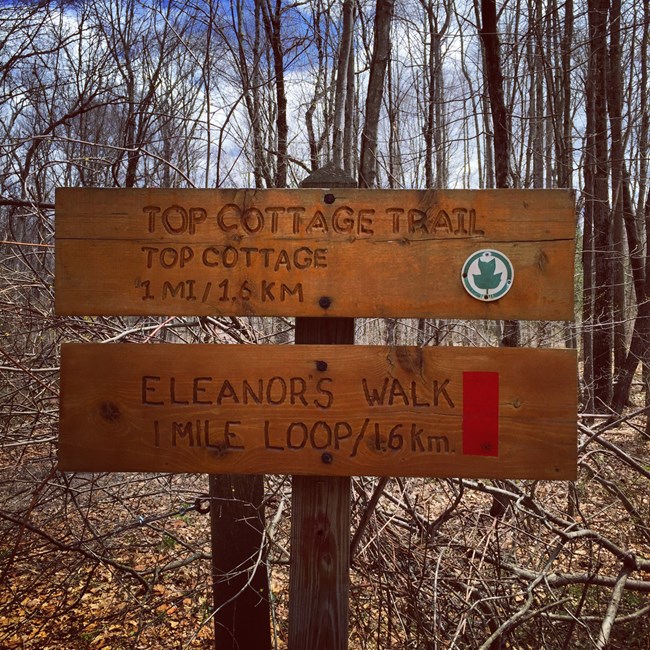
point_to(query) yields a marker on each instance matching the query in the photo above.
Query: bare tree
(186, 93)
(598, 201)
(374, 94)
(340, 98)
(500, 123)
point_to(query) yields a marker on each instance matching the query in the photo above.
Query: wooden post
(239, 578)
(319, 582)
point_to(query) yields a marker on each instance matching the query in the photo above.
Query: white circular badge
(487, 275)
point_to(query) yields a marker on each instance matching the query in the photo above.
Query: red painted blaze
(481, 413)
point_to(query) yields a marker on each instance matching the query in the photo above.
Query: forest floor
(121, 563)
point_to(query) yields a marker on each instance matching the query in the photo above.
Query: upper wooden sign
(334, 410)
(339, 252)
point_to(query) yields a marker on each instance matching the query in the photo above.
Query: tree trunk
(250, 81)
(640, 345)
(429, 117)
(588, 294)
(494, 80)
(340, 96)
(565, 165)
(351, 122)
(378, 64)
(615, 107)
(271, 17)
(434, 120)
(602, 316)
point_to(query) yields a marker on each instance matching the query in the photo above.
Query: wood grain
(305, 410)
(240, 580)
(281, 252)
(320, 562)
(319, 576)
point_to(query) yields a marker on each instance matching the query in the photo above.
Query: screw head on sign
(329, 199)
(325, 302)
(327, 458)
(321, 366)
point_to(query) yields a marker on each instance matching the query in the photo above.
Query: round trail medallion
(487, 275)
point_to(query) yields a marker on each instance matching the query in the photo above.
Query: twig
(520, 617)
(619, 619)
(24, 243)
(595, 435)
(17, 203)
(365, 518)
(612, 609)
(78, 549)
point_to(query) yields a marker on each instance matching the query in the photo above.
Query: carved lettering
(198, 390)
(228, 216)
(229, 436)
(460, 221)
(267, 437)
(416, 438)
(297, 435)
(318, 435)
(210, 391)
(397, 391)
(151, 211)
(392, 391)
(439, 390)
(182, 430)
(252, 221)
(342, 221)
(324, 392)
(417, 222)
(442, 223)
(342, 431)
(232, 218)
(395, 214)
(227, 392)
(414, 396)
(267, 291)
(288, 292)
(173, 398)
(276, 391)
(250, 394)
(473, 230)
(197, 215)
(272, 268)
(298, 388)
(438, 444)
(170, 290)
(274, 213)
(147, 388)
(317, 223)
(373, 395)
(199, 433)
(175, 219)
(282, 260)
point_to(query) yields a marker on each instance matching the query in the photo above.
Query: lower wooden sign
(333, 410)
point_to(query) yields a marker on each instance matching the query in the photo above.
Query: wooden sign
(322, 410)
(338, 252)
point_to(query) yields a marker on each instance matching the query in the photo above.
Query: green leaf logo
(487, 278)
(487, 275)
